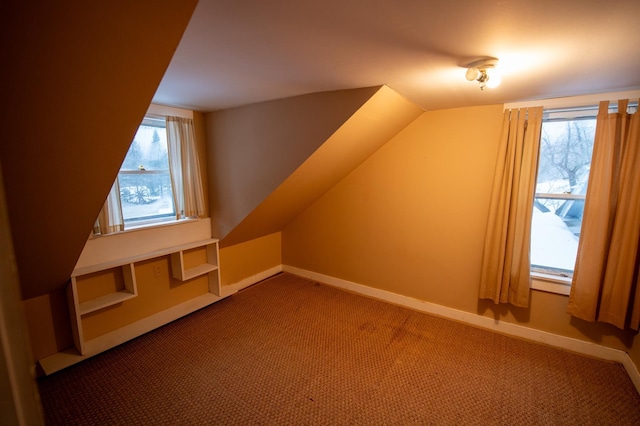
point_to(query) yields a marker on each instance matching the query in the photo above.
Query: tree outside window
(566, 147)
(145, 182)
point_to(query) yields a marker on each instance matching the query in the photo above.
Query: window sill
(148, 225)
(143, 241)
(550, 283)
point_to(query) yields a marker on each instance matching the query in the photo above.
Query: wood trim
(249, 281)
(169, 111)
(575, 101)
(18, 391)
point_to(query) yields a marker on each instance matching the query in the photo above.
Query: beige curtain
(605, 281)
(505, 276)
(110, 218)
(186, 179)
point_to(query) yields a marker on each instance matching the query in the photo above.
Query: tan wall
(411, 220)
(82, 75)
(245, 260)
(49, 323)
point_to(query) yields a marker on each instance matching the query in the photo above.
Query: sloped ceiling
(79, 77)
(238, 52)
(383, 115)
(253, 149)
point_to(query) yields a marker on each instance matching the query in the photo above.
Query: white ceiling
(238, 52)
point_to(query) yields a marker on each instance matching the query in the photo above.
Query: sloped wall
(384, 115)
(81, 76)
(253, 149)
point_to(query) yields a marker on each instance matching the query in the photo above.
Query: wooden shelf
(129, 290)
(199, 270)
(104, 301)
(97, 286)
(210, 267)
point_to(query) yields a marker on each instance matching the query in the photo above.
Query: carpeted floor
(290, 351)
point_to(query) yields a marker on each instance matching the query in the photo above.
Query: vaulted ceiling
(241, 52)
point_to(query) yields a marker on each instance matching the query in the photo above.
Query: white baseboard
(632, 371)
(567, 343)
(249, 281)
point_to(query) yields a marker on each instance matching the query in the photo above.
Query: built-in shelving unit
(96, 287)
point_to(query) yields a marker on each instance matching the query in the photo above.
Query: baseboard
(515, 330)
(249, 281)
(632, 371)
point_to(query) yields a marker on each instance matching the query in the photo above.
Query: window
(144, 179)
(159, 179)
(566, 146)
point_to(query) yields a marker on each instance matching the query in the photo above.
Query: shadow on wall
(594, 331)
(502, 310)
(597, 330)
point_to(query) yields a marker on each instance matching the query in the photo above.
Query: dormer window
(159, 180)
(146, 194)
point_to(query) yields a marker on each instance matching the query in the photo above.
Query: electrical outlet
(157, 271)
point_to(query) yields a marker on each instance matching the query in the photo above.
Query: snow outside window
(566, 146)
(145, 183)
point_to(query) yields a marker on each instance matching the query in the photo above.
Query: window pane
(563, 172)
(146, 196)
(565, 156)
(148, 150)
(145, 183)
(554, 244)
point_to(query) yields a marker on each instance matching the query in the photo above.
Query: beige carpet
(290, 351)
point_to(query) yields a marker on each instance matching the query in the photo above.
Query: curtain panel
(605, 281)
(110, 218)
(505, 274)
(184, 166)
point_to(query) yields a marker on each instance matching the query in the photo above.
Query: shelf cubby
(124, 288)
(182, 271)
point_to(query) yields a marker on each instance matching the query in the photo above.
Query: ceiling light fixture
(485, 72)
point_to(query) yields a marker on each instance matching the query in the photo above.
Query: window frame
(158, 112)
(556, 280)
(561, 115)
(149, 220)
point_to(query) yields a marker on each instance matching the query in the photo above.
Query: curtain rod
(575, 101)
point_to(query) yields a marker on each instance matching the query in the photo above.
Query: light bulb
(472, 74)
(494, 79)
